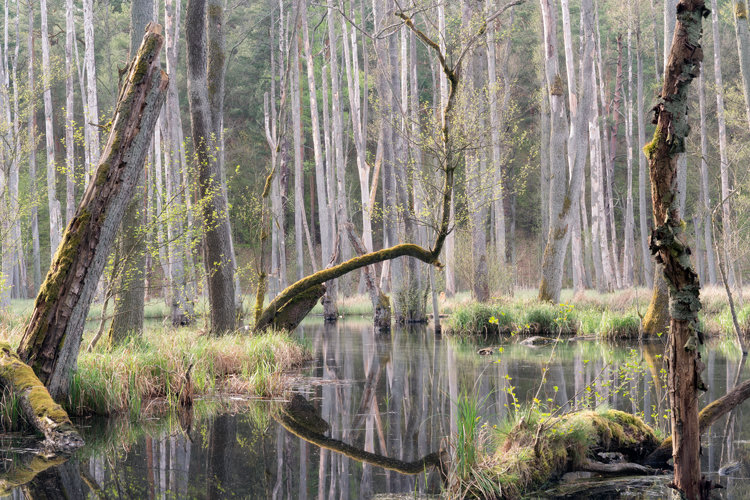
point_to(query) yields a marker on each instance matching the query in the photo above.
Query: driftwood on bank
(52, 340)
(38, 407)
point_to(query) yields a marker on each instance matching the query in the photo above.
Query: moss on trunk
(38, 407)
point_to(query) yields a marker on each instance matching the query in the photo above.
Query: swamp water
(391, 394)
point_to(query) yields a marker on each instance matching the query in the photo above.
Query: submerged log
(52, 340)
(708, 415)
(38, 407)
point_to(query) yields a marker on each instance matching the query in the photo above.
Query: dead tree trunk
(667, 244)
(51, 342)
(39, 409)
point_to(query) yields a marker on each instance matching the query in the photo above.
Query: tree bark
(726, 221)
(644, 209)
(128, 313)
(181, 303)
(217, 250)
(52, 339)
(91, 114)
(742, 33)
(683, 359)
(55, 218)
(705, 201)
(70, 168)
(33, 209)
(628, 235)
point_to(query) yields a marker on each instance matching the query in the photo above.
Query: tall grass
(163, 364)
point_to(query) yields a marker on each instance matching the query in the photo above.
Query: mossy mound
(525, 462)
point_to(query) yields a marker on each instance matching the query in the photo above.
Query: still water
(390, 394)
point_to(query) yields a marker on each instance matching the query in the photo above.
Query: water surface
(392, 394)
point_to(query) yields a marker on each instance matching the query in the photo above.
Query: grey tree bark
(628, 235)
(33, 209)
(204, 100)
(91, 112)
(561, 212)
(726, 211)
(70, 168)
(705, 201)
(742, 34)
(128, 315)
(55, 217)
(644, 208)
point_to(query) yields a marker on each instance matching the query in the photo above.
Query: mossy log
(25, 468)
(291, 314)
(319, 278)
(38, 407)
(52, 340)
(299, 418)
(529, 459)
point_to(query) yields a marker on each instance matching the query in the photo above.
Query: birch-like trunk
(705, 201)
(598, 206)
(644, 209)
(325, 221)
(34, 206)
(726, 221)
(181, 301)
(91, 111)
(55, 217)
(577, 135)
(299, 179)
(628, 236)
(70, 169)
(497, 109)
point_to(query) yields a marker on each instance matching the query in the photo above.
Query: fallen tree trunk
(707, 417)
(38, 407)
(52, 340)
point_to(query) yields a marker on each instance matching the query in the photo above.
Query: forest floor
(165, 367)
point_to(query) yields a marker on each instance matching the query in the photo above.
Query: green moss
(650, 149)
(740, 10)
(524, 463)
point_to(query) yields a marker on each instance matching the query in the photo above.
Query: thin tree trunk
(705, 202)
(644, 210)
(52, 339)
(299, 179)
(181, 301)
(33, 209)
(55, 218)
(91, 114)
(726, 221)
(628, 235)
(70, 169)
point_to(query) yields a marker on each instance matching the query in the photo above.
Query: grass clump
(169, 364)
(524, 463)
(619, 326)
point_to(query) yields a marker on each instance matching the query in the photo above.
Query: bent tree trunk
(39, 409)
(52, 339)
(667, 245)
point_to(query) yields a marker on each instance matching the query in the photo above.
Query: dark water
(389, 394)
